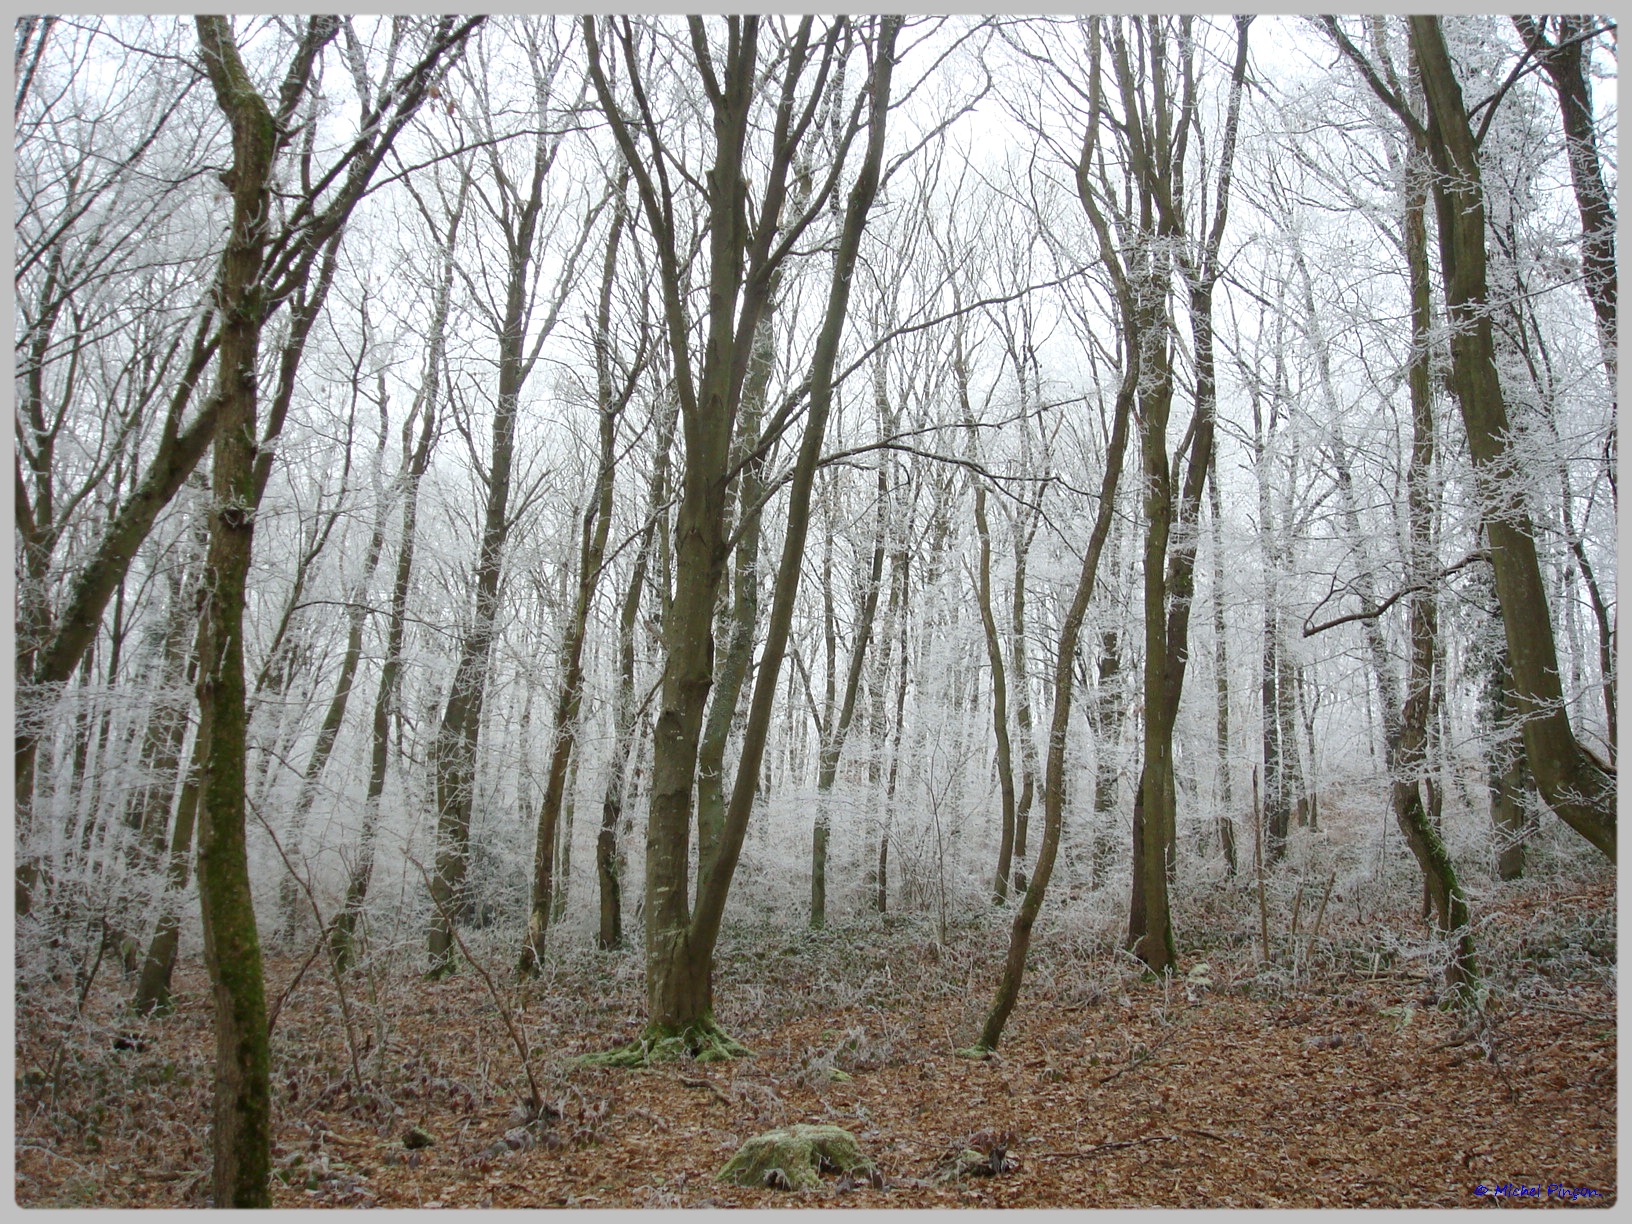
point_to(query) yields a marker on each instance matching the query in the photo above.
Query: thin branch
(1427, 584)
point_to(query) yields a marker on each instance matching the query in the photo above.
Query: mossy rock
(795, 1157)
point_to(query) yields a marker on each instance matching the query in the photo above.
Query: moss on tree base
(702, 1041)
(795, 1157)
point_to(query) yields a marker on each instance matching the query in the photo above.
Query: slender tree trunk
(1567, 63)
(1024, 533)
(457, 739)
(1106, 714)
(153, 983)
(596, 526)
(328, 731)
(1221, 673)
(898, 595)
(416, 458)
(147, 807)
(242, 1137)
(742, 621)
(1054, 777)
(608, 871)
(838, 729)
(994, 643)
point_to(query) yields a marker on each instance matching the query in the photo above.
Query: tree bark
(742, 261)
(289, 895)
(608, 858)
(458, 737)
(838, 728)
(1221, 674)
(994, 644)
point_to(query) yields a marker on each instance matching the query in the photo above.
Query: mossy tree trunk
(242, 1135)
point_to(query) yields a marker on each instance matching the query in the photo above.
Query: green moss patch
(703, 1041)
(795, 1157)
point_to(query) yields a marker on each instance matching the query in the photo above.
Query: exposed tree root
(701, 1040)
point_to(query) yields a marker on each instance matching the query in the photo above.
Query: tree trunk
(988, 623)
(147, 807)
(153, 982)
(1574, 785)
(455, 748)
(1025, 531)
(607, 855)
(596, 526)
(1509, 779)
(242, 1137)
(1567, 63)
(416, 458)
(838, 729)
(1221, 673)
(289, 896)
(1054, 776)
(1105, 714)
(680, 942)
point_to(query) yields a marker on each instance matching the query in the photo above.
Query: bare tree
(743, 255)
(1578, 787)
(517, 207)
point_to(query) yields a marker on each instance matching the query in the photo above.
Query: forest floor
(1335, 1083)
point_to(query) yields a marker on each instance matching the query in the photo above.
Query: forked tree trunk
(679, 941)
(1169, 579)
